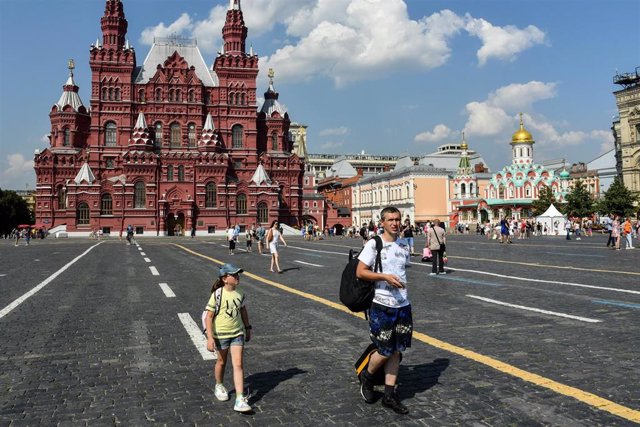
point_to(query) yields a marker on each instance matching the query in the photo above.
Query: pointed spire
(209, 139)
(251, 50)
(234, 32)
(208, 124)
(141, 123)
(234, 5)
(85, 174)
(70, 91)
(140, 135)
(260, 176)
(114, 25)
(127, 46)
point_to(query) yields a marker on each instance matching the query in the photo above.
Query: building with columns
(626, 129)
(171, 144)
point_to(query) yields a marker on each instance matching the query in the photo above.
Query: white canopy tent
(554, 221)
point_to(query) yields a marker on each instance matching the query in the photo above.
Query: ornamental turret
(69, 117)
(522, 145)
(234, 32)
(273, 121)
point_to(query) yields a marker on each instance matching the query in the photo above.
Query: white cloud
(440, 132)
(502, 42)
(18, 165)
(521, 96)
(180, 26)
(339, 131)
(331, 145)
(486, 120)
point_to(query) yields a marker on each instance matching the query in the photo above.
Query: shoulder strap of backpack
(218, 301)
(377, 267)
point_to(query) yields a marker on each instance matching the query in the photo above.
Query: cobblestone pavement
(101, 343)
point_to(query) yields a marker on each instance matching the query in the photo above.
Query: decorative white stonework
(85, 175)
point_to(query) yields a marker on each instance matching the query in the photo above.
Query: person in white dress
(273, 236)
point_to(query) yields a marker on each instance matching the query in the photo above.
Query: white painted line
(139, 248)
(147, 260)
(44, 283)
(143, 254)
(2, 275)
(324, 252)
(154, 271)
(167, 290)
(537, 310)
(198, 338)
(529, 279)
(308, 263)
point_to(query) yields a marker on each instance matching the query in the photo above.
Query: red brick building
(169, 145)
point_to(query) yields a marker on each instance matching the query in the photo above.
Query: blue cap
(229, 269)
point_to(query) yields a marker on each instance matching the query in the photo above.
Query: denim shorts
(390, 329)
(225, 343)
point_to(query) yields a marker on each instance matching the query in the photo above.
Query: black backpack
(355, 293)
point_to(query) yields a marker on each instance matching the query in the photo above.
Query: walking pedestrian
(228, 328)
(608, 224)
(627, 230)
(436, 241)
(260, 235)
(273, 236)
(231, 231)
(390, 320)
(615, 232)
(568, 226)
(407, 233)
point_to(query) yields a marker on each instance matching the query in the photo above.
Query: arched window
(274, 141)
(210, 195)
(175, 135)
(236, 136)
(192, 135)
(471, 189)
(106, 204)
(67, 137)
(192, 96)
(117, 94)
(82, 214)
(170, 173)
(171, 95)
(242, 99)
(178, 95)
(527, 191)
(104, 93)
(158, 134)
(501, 192)
(232, 98)
(241, 204)
(139, 196)
(110, 134)
(463, 189)
(180, 173)
(141, 95)
(158, 94)
(263, 212)
(62, 198)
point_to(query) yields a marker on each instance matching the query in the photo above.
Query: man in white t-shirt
(390, 321)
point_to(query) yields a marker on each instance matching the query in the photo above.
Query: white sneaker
(242, 405)
(221, 393)
(432, 274)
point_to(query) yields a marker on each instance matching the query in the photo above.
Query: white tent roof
(85, 174)
(552, 212)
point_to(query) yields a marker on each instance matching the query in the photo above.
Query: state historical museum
(171, 145)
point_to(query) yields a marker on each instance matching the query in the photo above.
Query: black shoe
(392, 402)
(366, 388)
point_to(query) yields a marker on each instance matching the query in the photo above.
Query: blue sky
(385, 76)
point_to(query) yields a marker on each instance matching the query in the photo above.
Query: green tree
(579, 201)
(617, 200)
(13, 211)
(545, 198)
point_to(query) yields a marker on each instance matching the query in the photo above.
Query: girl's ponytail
(217, 285)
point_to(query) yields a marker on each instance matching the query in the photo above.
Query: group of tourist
(618, 228)
(270, 238)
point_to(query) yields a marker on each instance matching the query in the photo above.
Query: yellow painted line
(580, 395)
(563, 267)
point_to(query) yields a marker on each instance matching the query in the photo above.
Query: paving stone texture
(102, 345)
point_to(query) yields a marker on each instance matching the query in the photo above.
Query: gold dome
(464, 145)
(522, 136)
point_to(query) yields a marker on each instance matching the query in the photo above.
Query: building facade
(511, 191)
(169, 145)
(626, 129)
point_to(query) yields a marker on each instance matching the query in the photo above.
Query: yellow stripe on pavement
(583, 396)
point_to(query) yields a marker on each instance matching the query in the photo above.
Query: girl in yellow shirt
(228, 327)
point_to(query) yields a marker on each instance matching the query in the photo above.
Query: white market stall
(553, 220)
